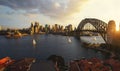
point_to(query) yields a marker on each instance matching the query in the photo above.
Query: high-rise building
(46, 28)
(69, 28)
(31, 29)
(34, 28)
(41, 28)
(53, 28)
(56, 28)
(61, 29)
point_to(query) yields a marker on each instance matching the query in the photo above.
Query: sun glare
(117, 27)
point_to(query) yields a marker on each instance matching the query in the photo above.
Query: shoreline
(98, 47)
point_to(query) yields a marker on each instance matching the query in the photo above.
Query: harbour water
(46, 45)
(92, 39)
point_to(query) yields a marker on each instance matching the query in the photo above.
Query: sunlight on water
(92, 39)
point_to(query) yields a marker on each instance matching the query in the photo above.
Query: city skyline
(21, 13)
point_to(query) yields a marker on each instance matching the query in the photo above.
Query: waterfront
(46, 45)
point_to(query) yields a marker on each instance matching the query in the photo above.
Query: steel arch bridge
(100, 26)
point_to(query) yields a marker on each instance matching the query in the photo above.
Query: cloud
(31, 15)
(57, 5)
(51, 8)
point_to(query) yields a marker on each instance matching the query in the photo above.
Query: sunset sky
(20, 13)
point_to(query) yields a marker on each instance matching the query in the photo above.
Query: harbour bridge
(100, 26)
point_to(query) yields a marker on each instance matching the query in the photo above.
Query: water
(93, 39)
(46, 45)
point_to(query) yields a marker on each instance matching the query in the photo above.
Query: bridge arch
(99, 25)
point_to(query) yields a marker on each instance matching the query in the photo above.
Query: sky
(20, 13)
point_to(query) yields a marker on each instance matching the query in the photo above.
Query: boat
(34, 42)
(69, 40)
